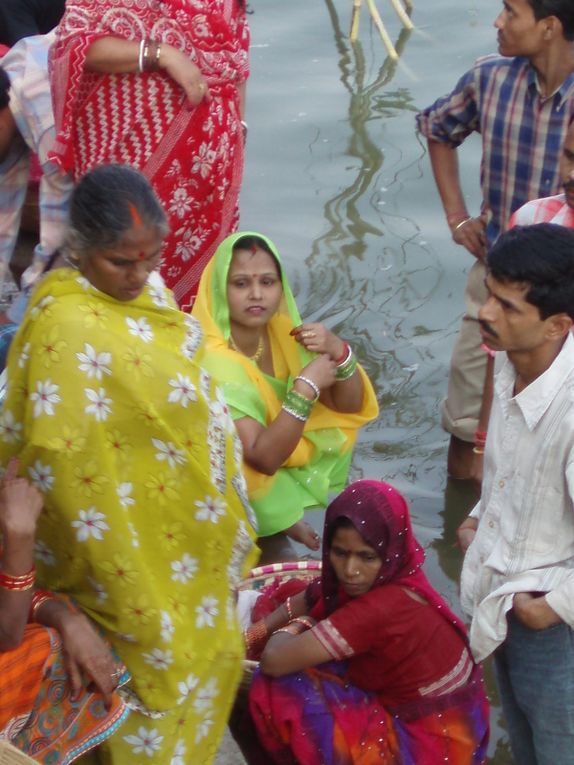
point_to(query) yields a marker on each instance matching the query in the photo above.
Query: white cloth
(525, 536)
(246, 600)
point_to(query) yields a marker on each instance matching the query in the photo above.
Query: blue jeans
(535, 677)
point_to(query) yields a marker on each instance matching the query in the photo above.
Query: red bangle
(480, 438)
(18, 583)
(344, 355)
(38, 599)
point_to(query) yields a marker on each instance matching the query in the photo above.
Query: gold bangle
(462, 223)
(306, 621)
(255, 633)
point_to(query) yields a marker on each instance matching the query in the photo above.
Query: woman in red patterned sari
(373, 666)
(159, 86)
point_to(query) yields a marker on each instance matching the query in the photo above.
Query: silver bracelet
(141, 56)
(311, 384)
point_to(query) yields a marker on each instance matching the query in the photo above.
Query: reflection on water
(337, 176)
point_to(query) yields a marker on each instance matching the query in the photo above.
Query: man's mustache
(486, 326)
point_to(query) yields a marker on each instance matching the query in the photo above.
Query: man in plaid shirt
(521, 103)
(559, 208)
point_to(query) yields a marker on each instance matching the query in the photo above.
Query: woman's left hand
(88, 657)
(317, 338)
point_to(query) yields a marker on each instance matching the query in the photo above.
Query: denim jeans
(535, 677)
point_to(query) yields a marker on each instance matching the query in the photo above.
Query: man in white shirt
(518, 573)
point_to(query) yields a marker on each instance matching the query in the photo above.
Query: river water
(337, 176)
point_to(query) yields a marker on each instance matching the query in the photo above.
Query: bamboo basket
(9, 755)
(263, 576)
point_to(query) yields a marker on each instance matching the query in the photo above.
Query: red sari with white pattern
(192, 156)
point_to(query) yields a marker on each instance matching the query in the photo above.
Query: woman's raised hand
(181, 69)
(317, 338)
(321, 371)
(20, 503)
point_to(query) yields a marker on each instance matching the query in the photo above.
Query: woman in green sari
(294, 390)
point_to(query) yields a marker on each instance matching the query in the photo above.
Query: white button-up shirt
(525, 536)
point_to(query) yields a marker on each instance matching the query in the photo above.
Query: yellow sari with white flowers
(146, 521)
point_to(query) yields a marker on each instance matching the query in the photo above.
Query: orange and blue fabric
(39, 713)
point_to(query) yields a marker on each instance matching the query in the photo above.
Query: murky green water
(337, 176)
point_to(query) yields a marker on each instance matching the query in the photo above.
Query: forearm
(17, 561)
(347, 395)
(266, 449)
(444, 163)
(56, 613)
(113, 55)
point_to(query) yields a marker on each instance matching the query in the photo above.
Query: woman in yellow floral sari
(146, 522)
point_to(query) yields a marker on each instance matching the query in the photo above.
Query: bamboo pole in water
(391, 50)
(377, 20)
(355, 18)
(401, 13)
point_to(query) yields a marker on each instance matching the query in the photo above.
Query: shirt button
(491, 524)
(501, 484)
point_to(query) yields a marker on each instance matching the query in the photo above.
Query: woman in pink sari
(159, 86)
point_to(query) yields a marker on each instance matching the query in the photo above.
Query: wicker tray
(11, 756)
(262, 577)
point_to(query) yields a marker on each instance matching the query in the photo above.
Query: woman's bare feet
(304, 533)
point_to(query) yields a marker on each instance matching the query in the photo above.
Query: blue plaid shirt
(522, 133)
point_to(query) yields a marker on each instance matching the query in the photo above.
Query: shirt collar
(535, 399)
(563, 92)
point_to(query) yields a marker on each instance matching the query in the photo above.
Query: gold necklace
(258, 353)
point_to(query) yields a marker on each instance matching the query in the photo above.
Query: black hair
(562, 9)
(250, 242)
(542, 258)
(342, 522)
(106, 204)
(4, 89)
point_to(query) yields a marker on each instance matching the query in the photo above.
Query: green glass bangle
(297, 405)
(347, 368)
